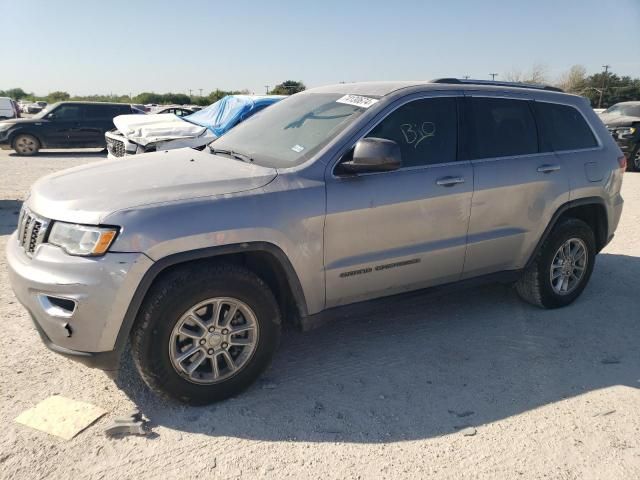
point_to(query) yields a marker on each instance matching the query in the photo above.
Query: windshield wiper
(230, 153)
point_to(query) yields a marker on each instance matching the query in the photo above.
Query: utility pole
(189, 94)
(604, 82)
(466, 77)
(266, 89)
(493, 76)
(200, 91)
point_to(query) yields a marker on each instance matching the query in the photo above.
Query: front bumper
(95, 295)
(119, 146)
(5, 144)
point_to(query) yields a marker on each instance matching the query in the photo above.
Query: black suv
(62, 125)
(623, 122)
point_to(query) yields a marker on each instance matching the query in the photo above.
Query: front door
(396, 231)
(61, 125)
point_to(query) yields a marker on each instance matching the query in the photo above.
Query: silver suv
(334, 196)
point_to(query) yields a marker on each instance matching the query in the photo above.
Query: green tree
(58, 97)
(15, 93)
(288, 87)
(611, 87)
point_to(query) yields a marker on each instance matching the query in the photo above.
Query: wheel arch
(16, 134)
(266, 260)
(590, 210)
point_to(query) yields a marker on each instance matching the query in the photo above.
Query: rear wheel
(203, 336)
(562, 267)
(633, 163)
(26, 145)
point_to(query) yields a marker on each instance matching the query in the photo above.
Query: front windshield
(629, 110)
(290, 132)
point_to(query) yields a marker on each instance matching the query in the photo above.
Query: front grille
(115, 147)
(31, 230)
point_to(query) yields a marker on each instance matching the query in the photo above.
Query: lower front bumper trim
(107, 361)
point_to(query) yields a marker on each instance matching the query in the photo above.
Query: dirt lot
(474, 384)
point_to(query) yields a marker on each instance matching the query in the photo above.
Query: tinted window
(104, 112)
(95, 112)
(562, 128)
(426, 131)
(67, 112)
(500, 127)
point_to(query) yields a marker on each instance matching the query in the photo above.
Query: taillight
(622, 161)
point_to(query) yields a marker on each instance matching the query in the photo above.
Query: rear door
(98, 119)
(517, 185)
(395, 231)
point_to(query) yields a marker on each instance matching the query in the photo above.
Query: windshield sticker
(297, 148)
(357, 101)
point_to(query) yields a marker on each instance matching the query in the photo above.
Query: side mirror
(372, 155)
(51, 116)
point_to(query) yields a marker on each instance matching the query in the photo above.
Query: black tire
(633, 162)
(26, 145)
(174, 295)
(535, 284)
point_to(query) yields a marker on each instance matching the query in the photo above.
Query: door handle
(449, 181)
(548, 168)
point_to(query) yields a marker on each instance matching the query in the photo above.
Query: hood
(146, 129)
(88, 193)
(618, 120)
(24, 120)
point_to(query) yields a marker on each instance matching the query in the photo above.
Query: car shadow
(428, 367)
(9, 213)
(62, 154)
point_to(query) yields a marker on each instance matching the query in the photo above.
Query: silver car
(334, 196)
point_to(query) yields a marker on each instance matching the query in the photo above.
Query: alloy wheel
(568, 266)
(213, 340)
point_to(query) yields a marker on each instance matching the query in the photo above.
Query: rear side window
(105, 112)
(500, 128)
(562, 128)
(426, 131)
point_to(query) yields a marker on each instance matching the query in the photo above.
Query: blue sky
(89, 46)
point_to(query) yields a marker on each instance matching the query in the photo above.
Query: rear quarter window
(562, 127)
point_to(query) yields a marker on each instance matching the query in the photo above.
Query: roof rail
(496, 84)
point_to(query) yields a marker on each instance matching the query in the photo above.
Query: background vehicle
(164, 131)
(176, 110)
(623, 121)
(334, 196)
(8, 108)
(62, 125)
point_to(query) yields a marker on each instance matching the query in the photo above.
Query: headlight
(626, 131)
(81, 239)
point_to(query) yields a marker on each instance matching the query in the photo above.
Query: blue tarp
(223, 115)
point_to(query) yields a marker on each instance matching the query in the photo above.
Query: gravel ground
(473, 384)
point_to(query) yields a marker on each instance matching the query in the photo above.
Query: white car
(165, 131)
(8, 108)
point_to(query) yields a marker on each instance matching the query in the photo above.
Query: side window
(426, 131)
(67, 112)
(562, 128)
(500, 128)
(95, 112)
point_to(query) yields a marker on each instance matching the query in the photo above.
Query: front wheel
(26, 145)
(203, 336)
(562, 267)
(633, 163)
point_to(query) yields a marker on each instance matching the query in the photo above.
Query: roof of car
(73, 102)
(380, 89)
